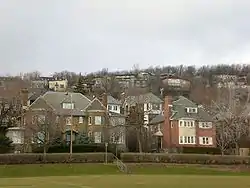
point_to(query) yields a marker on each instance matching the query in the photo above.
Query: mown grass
(111, 169)
(128, 181)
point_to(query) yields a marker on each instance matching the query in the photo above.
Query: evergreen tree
(80, 86)
(5, 142)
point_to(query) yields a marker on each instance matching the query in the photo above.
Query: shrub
(201, 150)
(183, 158)
(39, 158)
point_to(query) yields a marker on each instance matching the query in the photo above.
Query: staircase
(121, 166)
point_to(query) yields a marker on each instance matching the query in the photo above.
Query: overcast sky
(87, 35)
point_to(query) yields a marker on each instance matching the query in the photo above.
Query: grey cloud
(86, 35)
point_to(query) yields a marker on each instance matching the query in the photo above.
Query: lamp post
(71, 128)
(71, 125)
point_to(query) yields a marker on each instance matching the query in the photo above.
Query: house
(64, 111)
(184, 124)
(58, 84)
(114, 105)
(150, 103)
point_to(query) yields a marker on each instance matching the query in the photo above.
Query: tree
(232, 119)
(44, 130)
(80, 86)
(10, 111)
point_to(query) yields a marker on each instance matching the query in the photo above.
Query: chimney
(166, 127)
(104, 99)
(24, 97)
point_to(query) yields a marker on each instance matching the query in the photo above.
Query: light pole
(71, 128)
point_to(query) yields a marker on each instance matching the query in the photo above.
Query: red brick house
(184, 124)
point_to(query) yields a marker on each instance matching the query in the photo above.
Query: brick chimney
(104, 99)
(24, 97)
(166, 127)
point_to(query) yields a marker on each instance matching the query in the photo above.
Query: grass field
(106, 176)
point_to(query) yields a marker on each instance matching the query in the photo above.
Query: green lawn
(106, 176)
(128, 181)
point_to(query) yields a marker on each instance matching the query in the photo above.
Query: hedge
(38, 158)
(201, 150)
(184, 158)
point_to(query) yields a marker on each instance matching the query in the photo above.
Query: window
(191, 110)
(115, 108)
(68, 105)
(80, 119)
(181, 139)
(97, 137)
(186, 123)
(205, 125)
(68, 121)
(180, 123)
(156, 107)
(61, 86)
(68, 137)
(98, 120)
(109, 107)
(57, 119)
(34, 119)
(187, 140)
(41, 119)
(90, 120)
(206, 140)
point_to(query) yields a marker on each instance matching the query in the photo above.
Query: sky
(88, 35)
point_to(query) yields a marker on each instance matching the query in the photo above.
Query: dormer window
(68, 105)
(191, 110)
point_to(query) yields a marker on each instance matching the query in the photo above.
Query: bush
(183, 158)
(201, 150)
(54, 158)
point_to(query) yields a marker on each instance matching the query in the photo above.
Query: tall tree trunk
(139, 140)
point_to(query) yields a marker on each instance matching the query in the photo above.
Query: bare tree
(44, 129)
(231, 120)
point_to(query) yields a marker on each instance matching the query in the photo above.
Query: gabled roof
(112, 100)
(179, 110)
(158, 119)
(96, 105)
(183, 101)
(55, 100)
(142, 99)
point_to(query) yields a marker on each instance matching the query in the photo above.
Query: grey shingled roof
(112, 100)
(95, 105)
(158, 119)
(144, 98)
(179, 110)
(55, 99)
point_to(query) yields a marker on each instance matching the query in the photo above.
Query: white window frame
(41, 118)
(98, 120)
(109, 107)
(187, 123)
(187, 140)
(80, 119)
(98, 137)
(205, 125)
(192, 110)
(68, 120)
(115, 107)
(68, 105)
(90, 120)
(206, 141)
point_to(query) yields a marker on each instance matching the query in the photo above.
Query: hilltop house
(113, 105)
(183, 124)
